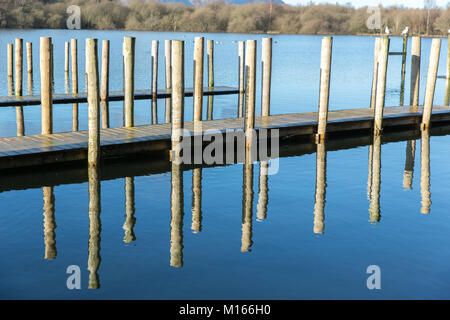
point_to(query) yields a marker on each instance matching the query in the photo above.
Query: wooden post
(10, 51)
(95, 227)
(425, 172)
(128, 76)
(66, 56)
(431, 83)
(177, 97)
(266, 66)
(155, 45)
(93, 102)
(105, 84)
(375, 73)
(198, 77)
(250, 92)
(74, 57)
(381, 84)
(18, 65)
(415, 71)
(168, 60)
(324, 94)
(321, 185)
(403, 71)
(29, 47)
(241, 55)
(130, 209)
(46, 85)
(196, 225)
(447, 76)
(210, 54)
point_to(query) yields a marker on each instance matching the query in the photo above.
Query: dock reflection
(177, 213)
(130, 220)
(263, 192)
(408, 173)
(95, 227)
(196, 225)
(247, 207)
(49, 223)
(375, 180)
(425, 172)
(321, 185)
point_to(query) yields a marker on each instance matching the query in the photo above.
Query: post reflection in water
(375, 167)
(196, 226)
(49, 223)
(247, 207)
(176, 221)
(130, 220)
(409, 164)
(321, 185)
(94, 227)
(261, 208)
(425, 172)
(369, 178)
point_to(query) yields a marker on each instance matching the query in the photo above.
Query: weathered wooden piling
(198, 78)
(49, 223)
(324, 94)
(168, 61)
(250, 93)
(29, 48)
(321, 185)
(266, 69)
(431, 83)
(381, 84)
(66, 56)
(95, 227)
(196, 225)
(447, 75)
(210, 56)
(74, 58)
(263, 192)
(241, 80)
(155, 46)
(415, 70)
(93, 102)
(18, 90)
(10, 62)
(177, 97)
(403, 70)
(46, 85)
(425, 172)
(105, 84)
(375, 73)
(128, 80)
(130, 209)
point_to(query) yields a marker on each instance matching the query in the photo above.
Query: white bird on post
(405, 31)
(386, 30)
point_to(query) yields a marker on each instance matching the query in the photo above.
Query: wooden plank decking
(70, 146)
(113, 96)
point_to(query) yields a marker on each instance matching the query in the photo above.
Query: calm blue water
(287, 259)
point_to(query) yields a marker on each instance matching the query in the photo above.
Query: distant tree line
(218, 16)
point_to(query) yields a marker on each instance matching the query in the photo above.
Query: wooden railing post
(324, 94)
(266, 61)
(105, 84)
(128, 85)
(46, 85)
(431, 83)
(93, 102)
(381, 85)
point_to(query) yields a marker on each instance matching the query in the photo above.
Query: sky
(362, 3)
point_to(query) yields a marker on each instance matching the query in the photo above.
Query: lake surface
(136, 249)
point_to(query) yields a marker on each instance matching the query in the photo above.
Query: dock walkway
(72, 146)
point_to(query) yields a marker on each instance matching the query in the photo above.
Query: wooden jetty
(51, 148)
